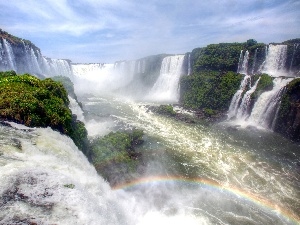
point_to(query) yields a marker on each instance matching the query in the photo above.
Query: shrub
(33, 102)
(211, 90)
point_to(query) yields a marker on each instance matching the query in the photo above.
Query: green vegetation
(71, 186)
(68, 85)
(219, 57)
(209, 90)
(264, 84)
(165, 110)
(33, 102)
(66, 82)
(114, 155)
(288, 122)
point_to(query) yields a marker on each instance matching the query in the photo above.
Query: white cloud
(134, 28)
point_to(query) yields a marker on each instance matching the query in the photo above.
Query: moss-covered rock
(164, 110)
(33, 102)
(265, 83)
(114, 155)
(288, 118)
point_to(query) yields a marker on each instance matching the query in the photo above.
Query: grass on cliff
(210, 90)
(27, 100)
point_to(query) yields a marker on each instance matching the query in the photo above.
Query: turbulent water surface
(194, 174)
(217, 175)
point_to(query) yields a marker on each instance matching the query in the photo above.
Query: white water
(166, 88)
(243, 64)
(264, 110)
(236, 100)
(206, 153)
(189, 65)
(34, 179)
(10, 55)
(97, 77)
(244, 107)
(35, 63)
(76, 109)
(33, 182)
(275, 60)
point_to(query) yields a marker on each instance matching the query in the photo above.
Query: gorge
(239, 170)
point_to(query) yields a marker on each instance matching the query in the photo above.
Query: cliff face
(24, 57)
(288, 120)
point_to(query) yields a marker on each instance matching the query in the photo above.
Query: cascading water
(275, 60)
(34, 61)
(264, 110)
(46, 180)
(243, 68)
(240, 62)
(166, 88)
(236, 100)
(10, 55)
(28, 59)
(189, 65)
(76, 109)
(244, 107)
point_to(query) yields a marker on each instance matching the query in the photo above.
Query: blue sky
(110, 30)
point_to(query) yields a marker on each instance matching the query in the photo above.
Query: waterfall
(243, 110)
(236, 100)
(243, 63)
(76, 109)
(189, 65)
(166, 88)
(10, 55)
(34, 61)
(143, 66)
(264, 110)
(254, 62)
(275, 60)
(240, 62)
(26, 58)
(50, 181)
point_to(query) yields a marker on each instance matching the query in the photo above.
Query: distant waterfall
(275, 60)
(34, 62)
(264, 110)
(10, 55)
(243, 63)
(26, 58)
(166, 88)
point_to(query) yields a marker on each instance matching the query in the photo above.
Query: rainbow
(258, 200)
